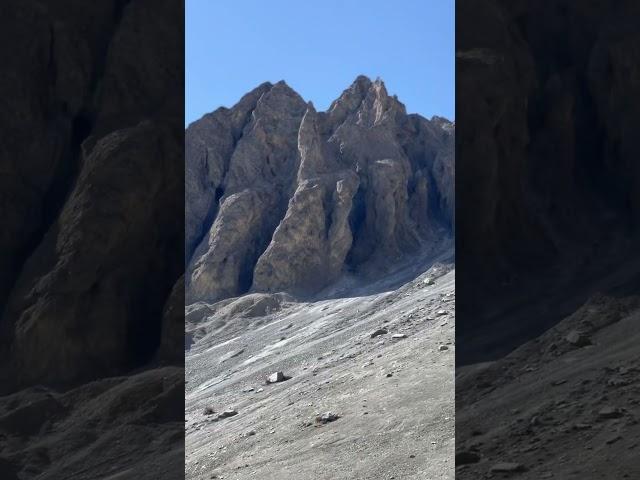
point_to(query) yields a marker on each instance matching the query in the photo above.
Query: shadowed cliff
(548, 178)
(92, 205)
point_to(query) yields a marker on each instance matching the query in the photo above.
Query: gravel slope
(564, 405)
(394, 397)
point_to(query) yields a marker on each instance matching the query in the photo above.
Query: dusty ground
(395, 397)
(80, 433)
(578, 404)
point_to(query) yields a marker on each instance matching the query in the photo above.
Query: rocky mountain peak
(281, 197)
(369, 100)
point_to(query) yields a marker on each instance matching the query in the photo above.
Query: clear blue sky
(319, 47)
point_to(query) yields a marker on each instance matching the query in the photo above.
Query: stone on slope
(378, 332)
(230, 412)
(327, 417)
(277, 377)
(577, 339)
(608, 412)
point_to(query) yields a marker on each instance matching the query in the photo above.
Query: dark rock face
(547, 102)
(548, 182)
(91, 186)
(91, 201)
(280, 197)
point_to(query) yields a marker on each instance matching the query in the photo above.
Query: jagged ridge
(280, 197)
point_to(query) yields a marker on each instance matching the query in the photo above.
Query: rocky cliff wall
(281, 197)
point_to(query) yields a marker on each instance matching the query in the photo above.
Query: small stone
(577, 339)
(389, 375)
(277, 377)
(442, 348)
(610, 412)
(613, 439)
(398, 336)
(260, 390)
(230, 412)
(440, 313)
(378, 332)
(327, 417)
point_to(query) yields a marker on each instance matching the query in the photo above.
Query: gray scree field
(393, 393)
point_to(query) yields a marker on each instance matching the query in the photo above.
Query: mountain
(82, 292)
(548, 276)
(92, 188)
(319, 245)
(547, 176)
(280, 197)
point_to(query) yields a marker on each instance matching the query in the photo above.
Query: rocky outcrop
(281, 197)
(92, 169)
(309, 246)
(91, 201)
(547, 178)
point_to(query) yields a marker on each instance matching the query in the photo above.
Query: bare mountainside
(91, 375)
(547, 384)
(576, 391)
(547, 156)
(281, 197)
(367, 392)
(320, 308)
